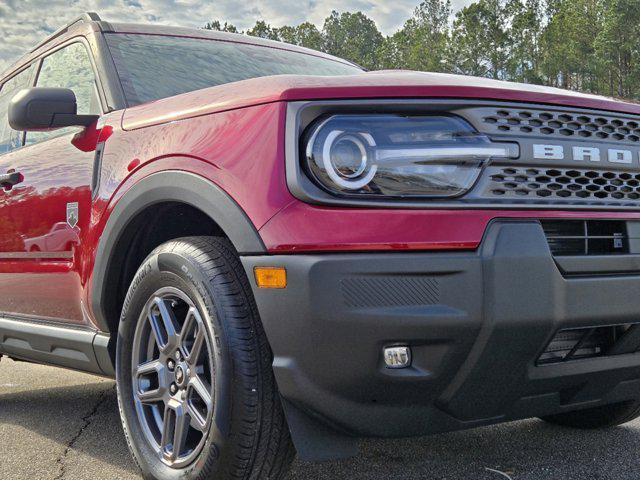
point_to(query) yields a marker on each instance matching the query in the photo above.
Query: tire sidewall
(161, 269)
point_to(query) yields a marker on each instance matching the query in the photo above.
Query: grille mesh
(591, 342)
(563, 125)
(566, 184)
(578, 344)
(587, 237)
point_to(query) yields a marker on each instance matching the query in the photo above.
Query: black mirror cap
(42, 109)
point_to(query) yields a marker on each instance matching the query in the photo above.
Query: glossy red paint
(238, 129)
(239, 150)
(39, 250)
(234, 135)
(284, 88)
(42, 255)
(87, 139)
(302, 228)
(288, 225)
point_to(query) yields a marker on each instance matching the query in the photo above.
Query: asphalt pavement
(58, 424)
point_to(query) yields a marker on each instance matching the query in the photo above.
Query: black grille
(586, 237)
(568, 184)
(581, 343)
(563, 125)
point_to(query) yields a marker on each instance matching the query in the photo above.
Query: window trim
(81, 39)
(34, 75)
(24, 68)
(85, 43)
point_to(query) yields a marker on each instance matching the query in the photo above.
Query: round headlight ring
(352, 141)
(354, 180)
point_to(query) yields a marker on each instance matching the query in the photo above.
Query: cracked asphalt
(58, 424)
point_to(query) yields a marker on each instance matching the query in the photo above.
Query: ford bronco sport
(273, 251)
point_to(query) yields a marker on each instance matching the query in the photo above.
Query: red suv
(273, 251)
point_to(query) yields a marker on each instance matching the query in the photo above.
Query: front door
(45, 208)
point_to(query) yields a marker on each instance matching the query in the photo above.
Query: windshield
(151, 67)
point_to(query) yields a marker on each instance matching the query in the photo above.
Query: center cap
(180, 375)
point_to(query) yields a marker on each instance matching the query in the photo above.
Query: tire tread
(260, 444)
(265, 450)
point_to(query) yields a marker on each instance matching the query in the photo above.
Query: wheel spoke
(193, 336)
(153, 366)
(163, 325)
(200, 403)
(180, 432)
(174, 431)
(151, 396)
(202, 391)
(197, 422)
(148, 371)
(196, 348)
(168, 429)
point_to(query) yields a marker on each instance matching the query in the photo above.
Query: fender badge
(72, 214)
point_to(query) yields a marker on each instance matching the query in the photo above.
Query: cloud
(23, 23)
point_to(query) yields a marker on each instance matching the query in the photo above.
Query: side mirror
(42, 109)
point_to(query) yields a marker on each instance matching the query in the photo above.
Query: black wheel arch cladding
(169, 186)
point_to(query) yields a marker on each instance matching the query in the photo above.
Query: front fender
(168, 186)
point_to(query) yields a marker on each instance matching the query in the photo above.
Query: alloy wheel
(173, 375)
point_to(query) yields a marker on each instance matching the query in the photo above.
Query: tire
(225, 396)
(598, 417)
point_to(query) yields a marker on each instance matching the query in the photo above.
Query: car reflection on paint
(61, 238)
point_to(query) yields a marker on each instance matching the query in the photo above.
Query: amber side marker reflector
(271, 277)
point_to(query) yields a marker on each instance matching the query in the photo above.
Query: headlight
(398, 156)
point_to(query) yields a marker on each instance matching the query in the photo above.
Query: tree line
(587, 45)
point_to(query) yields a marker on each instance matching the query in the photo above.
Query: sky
(25, 22)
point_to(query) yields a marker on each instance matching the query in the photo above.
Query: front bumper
(476, 323)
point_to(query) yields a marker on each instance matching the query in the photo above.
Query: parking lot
(57, 424)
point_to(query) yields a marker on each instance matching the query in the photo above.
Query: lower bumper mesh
(589, 237)
(582, 343)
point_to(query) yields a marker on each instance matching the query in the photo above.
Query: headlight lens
(398, 156)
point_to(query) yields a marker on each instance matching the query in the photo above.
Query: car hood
(369, 85)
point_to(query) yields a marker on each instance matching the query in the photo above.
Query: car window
(11, 139)
(71, 68)
(151, 67)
